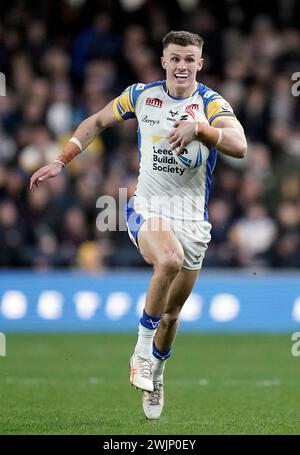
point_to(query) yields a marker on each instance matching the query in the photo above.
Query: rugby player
(168, 216)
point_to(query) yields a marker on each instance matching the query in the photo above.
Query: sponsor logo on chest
(154, 102)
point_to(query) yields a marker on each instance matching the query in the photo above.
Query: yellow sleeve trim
(213, 108)
(115, 109)
(221, 117)
(218, 106)
(122, 105)
(125, 103)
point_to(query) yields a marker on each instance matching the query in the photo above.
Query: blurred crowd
(64, 60)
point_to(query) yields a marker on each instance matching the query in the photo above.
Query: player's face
(181, 64)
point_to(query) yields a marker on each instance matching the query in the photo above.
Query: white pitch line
(268, 383)
(94, 380)
(45, 381)
(226, 383)
(29, 381)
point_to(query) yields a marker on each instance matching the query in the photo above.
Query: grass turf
(215, 384)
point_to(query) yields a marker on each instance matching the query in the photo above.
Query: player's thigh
(180, 290)
(158, 244)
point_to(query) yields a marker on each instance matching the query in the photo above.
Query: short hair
(182, 38)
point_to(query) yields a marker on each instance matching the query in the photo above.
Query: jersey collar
(166, 90)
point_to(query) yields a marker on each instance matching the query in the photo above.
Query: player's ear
(163, 63)
(200, 64)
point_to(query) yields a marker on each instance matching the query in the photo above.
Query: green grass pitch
(214, 384)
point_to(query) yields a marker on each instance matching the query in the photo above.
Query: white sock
(158, 369)
(144, 343)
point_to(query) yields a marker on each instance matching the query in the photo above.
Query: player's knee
(170, 320)
(170, 263)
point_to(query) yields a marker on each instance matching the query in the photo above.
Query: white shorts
(193, 236)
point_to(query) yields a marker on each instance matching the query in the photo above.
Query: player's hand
(44, 173)
(182, 134)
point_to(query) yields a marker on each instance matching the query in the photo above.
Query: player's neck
(181, 92)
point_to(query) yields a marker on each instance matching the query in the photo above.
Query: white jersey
(163, 185)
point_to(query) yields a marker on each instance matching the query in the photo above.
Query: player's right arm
(111, 114)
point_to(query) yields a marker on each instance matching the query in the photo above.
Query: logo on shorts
(197, 257)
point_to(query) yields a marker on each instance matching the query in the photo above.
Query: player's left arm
(230, 136)
(222, 129)
(227, 135)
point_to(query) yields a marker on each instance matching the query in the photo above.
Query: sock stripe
(150, 322)
(161, 355)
